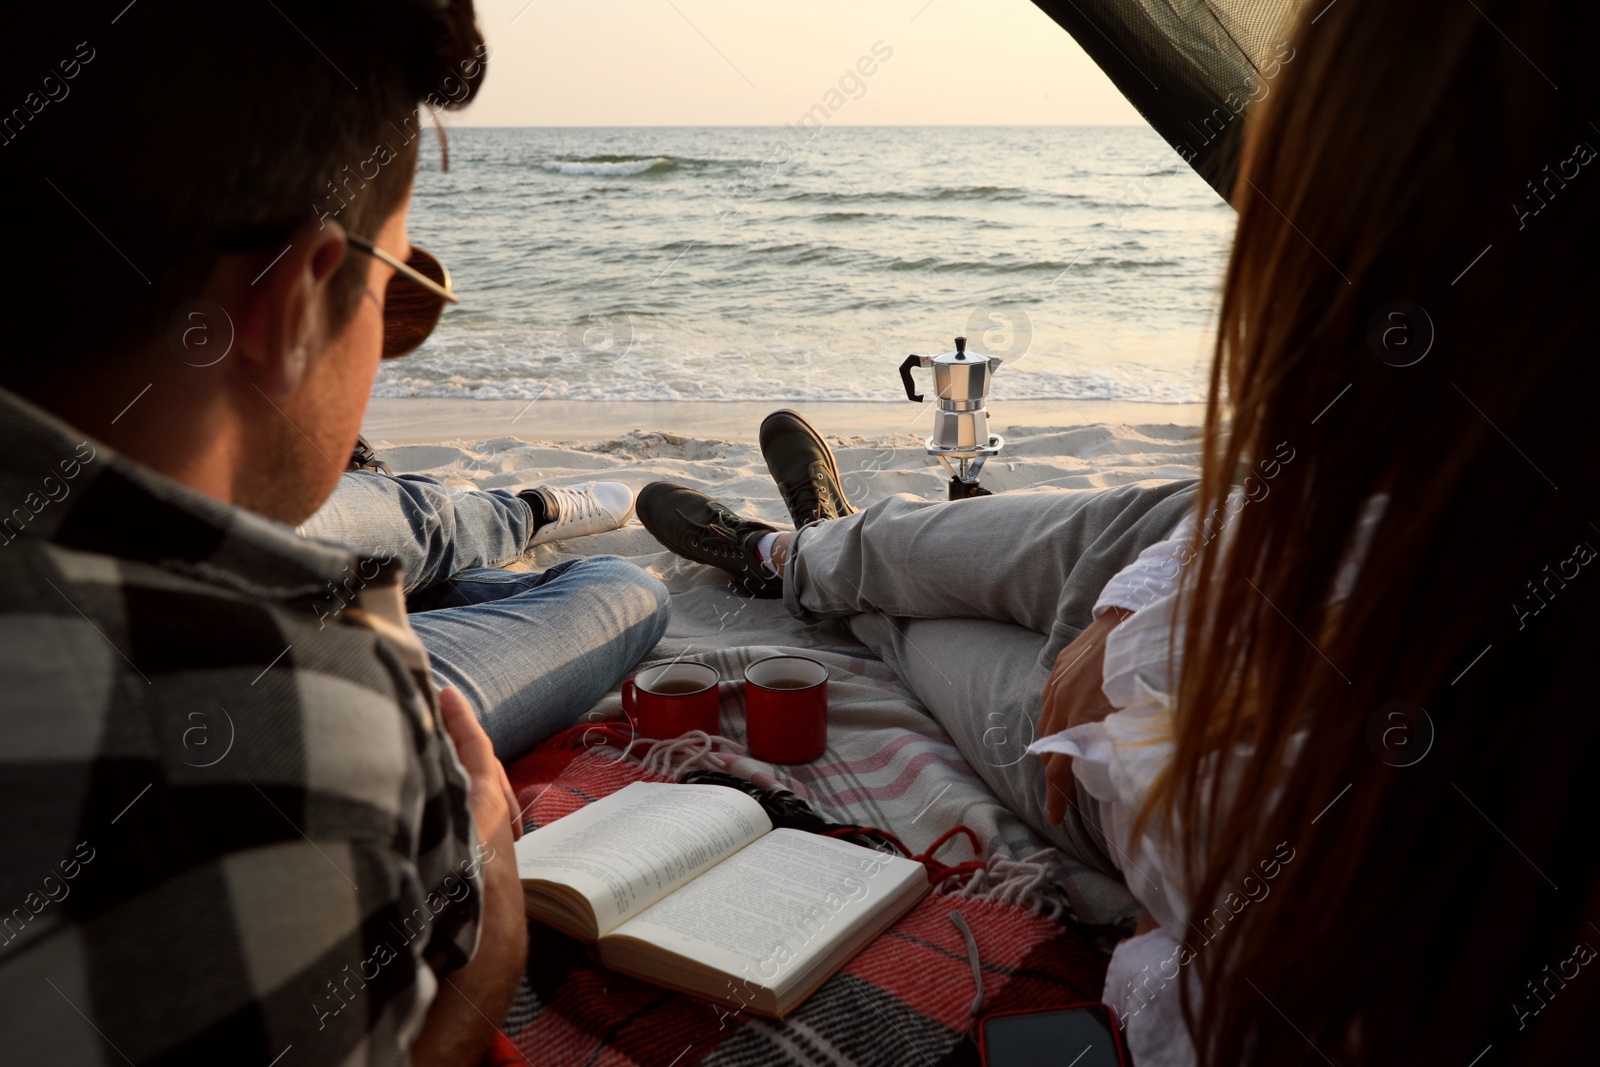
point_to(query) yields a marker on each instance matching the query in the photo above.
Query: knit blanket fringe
(1029, 881)
(677, 756)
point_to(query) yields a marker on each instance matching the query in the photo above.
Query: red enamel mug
(673, 699)
(786, 709)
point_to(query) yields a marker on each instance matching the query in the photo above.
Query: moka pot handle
(905, 376)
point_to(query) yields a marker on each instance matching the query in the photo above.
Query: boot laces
(717, 539)
(817, 498)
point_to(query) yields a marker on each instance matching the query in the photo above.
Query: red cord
(944, 839)
(939, 872)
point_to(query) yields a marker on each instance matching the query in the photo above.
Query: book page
(770, 911)
(627, 851)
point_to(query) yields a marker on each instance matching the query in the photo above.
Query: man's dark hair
(138, 142)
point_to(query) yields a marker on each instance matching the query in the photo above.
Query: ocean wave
(592, 393)
(1134, 265)
(1002, 266)
(803, 253)
(893, 219)
(985, 193)
(612, 166)
(714, 385)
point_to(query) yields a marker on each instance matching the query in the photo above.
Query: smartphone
(1080, 1035)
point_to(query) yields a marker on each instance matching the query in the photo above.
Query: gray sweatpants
(970, 602)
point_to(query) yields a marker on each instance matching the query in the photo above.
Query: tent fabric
(1193, 68)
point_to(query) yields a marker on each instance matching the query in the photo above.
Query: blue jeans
(531, 652)
(434, 530)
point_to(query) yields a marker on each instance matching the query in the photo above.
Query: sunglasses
(414, 299)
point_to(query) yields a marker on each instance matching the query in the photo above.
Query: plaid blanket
(888, 764)
(906, 999)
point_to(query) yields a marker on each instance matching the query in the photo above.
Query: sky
(760, 62)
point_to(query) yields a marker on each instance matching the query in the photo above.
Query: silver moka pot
(961, 439)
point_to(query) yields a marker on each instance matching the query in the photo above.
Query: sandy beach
(1054, 444)
(411, 420)
(1049, 445)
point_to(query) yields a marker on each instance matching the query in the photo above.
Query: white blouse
(1118, 759)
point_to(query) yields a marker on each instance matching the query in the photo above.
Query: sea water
(780, 264)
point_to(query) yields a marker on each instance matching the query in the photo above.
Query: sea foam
(609, 167)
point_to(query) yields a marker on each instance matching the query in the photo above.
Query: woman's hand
(1072, 697)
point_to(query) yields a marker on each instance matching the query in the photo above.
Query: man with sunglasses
(578, 627)
(240, 828)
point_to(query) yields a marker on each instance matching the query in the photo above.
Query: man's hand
(462, 1019)
(1072, 697)
(492, 800)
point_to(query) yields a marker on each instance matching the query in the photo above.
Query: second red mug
(672, 700)
(786, 709)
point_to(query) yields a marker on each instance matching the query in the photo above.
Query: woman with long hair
(1408, 705)
(1333, 726)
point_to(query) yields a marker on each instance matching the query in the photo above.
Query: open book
(690, 887)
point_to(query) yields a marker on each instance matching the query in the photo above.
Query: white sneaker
(582, 509)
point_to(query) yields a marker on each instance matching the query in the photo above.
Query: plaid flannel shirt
(234, 830)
